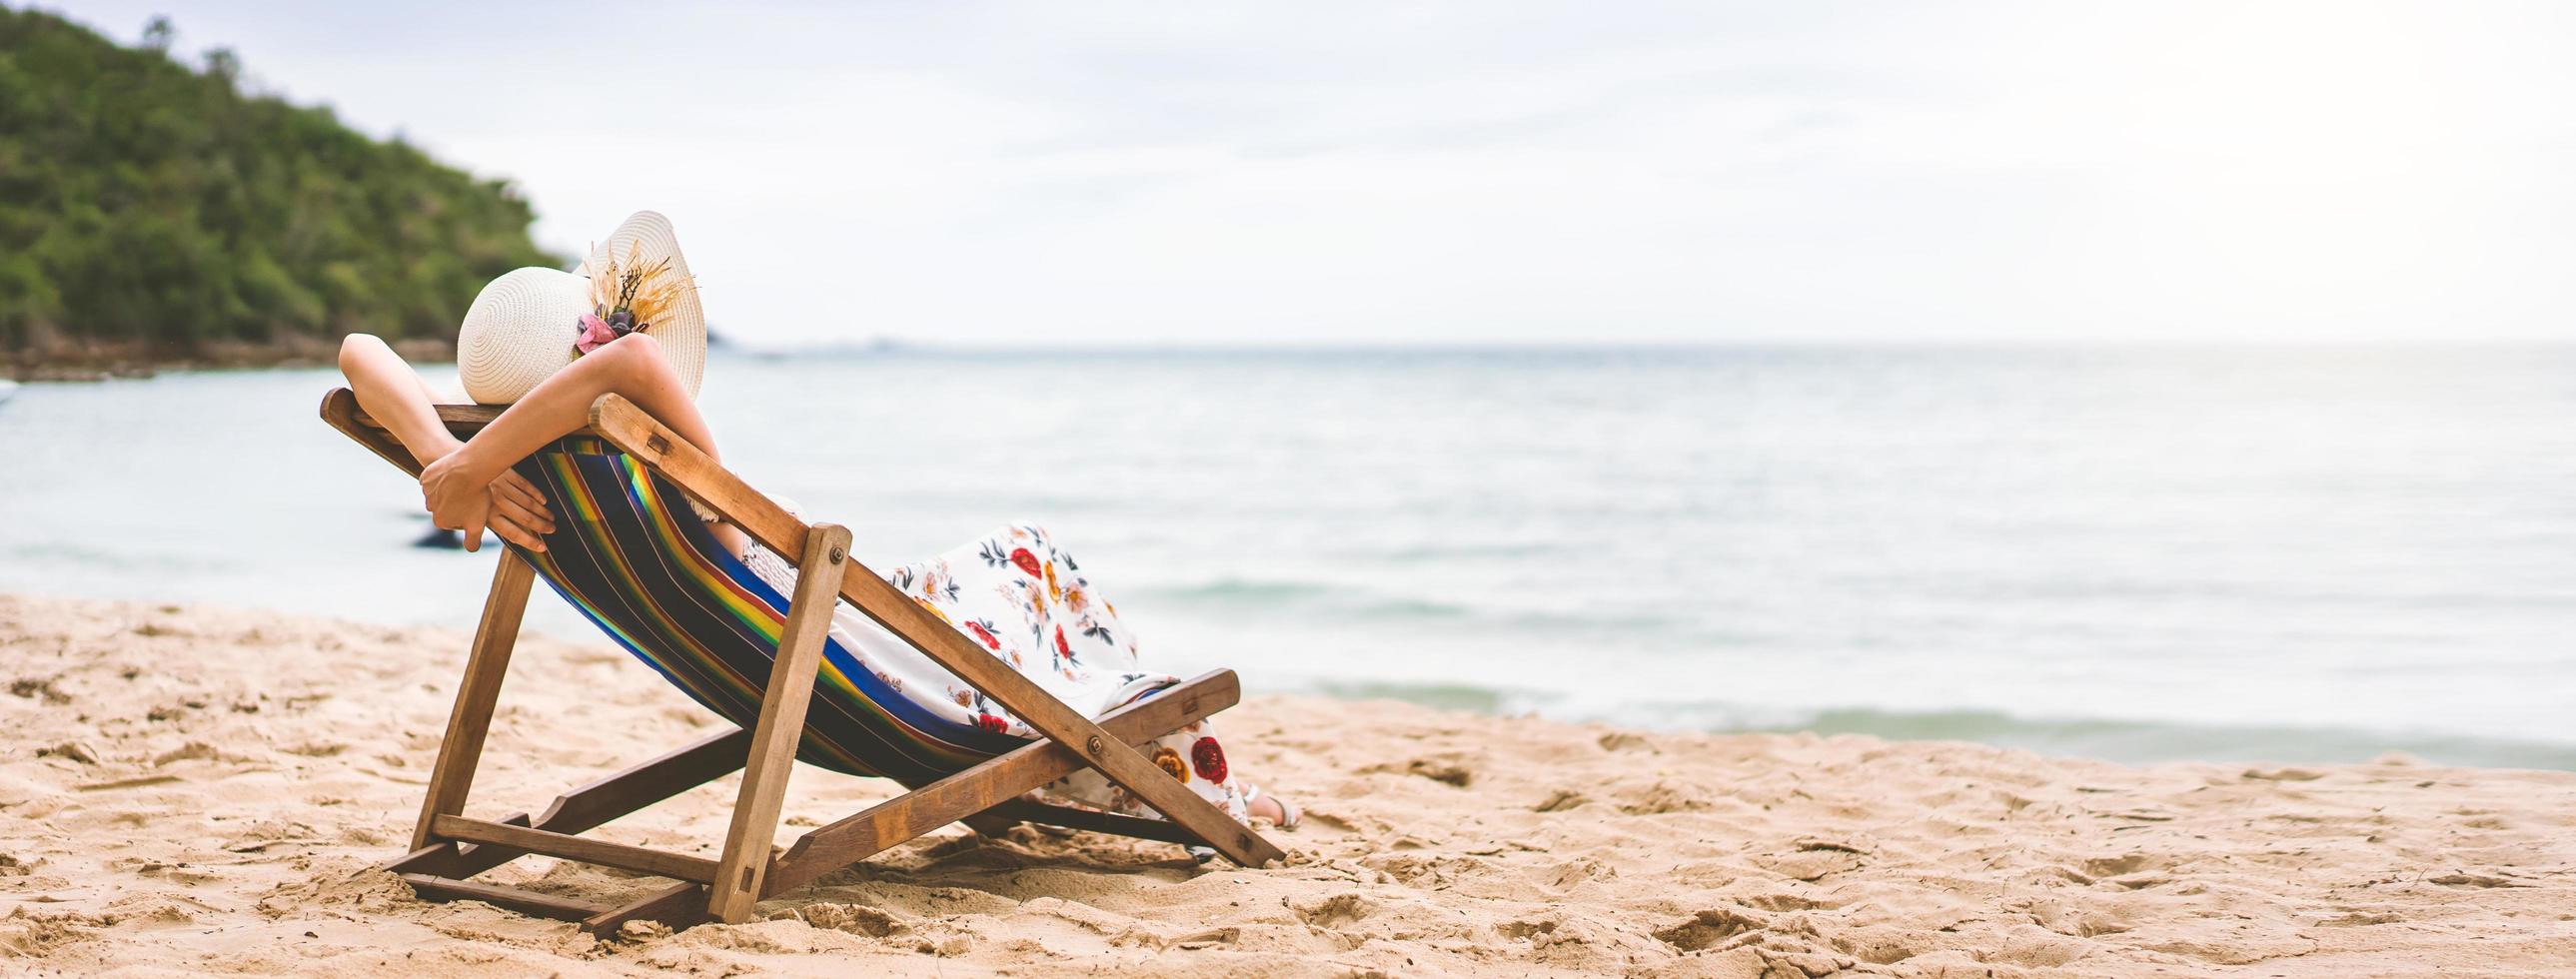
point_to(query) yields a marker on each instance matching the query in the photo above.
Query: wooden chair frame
(448, 848)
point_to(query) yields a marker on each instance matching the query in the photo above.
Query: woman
(1015, 592)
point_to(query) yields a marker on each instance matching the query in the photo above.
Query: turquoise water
(2138, 554)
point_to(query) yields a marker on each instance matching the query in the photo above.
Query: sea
(2256, 554)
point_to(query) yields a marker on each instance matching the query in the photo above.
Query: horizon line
(897, 346)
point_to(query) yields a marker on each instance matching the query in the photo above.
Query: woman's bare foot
(1277, 809)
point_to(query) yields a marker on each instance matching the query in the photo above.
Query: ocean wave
(1242, 590)
(1432, 553)
(2142, 742)
(2126, 741)
(1442, 696)
(1305, 600)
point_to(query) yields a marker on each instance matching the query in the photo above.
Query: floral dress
(1023, 599)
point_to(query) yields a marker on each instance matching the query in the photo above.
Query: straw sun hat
(525, 325)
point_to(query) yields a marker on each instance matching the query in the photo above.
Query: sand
(194, 790)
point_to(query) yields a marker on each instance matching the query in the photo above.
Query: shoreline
(192, 784)
(93, 360)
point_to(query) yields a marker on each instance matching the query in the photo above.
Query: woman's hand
(456, 498)
(459, 498)
(519, 512)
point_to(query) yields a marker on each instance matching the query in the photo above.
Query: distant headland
(155, 214)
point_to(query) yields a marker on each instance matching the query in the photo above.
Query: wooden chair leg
(676, 906)
(782, 724)
(461, 749)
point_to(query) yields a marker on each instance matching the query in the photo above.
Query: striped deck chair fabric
(632, 556)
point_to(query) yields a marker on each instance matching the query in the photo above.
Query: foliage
(141, 201)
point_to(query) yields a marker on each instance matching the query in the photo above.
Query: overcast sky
(1506, 172)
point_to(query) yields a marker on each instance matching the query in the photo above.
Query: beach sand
(190, 790)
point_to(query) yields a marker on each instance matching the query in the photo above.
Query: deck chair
(630, 555)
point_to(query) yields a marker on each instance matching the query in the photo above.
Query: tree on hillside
(144, 201)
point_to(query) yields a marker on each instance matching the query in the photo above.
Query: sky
(1504, 172)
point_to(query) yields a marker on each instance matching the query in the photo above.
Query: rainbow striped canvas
(628, 552)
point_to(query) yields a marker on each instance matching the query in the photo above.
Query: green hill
(159, 210)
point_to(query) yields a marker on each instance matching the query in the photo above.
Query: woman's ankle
(1269, 807)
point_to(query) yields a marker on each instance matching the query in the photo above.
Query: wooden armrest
(460, 419)
(340, 408)
(463, 420)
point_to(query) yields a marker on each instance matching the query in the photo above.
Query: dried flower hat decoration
(629, 295)
(514, 335)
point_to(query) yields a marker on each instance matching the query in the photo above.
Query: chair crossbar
(568, 847)
(516, 899)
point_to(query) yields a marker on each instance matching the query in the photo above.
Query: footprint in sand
(1707, 928)
(1560, 801)
(1449, 770)
(1336, 911)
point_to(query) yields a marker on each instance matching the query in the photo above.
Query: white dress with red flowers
(1019, 596)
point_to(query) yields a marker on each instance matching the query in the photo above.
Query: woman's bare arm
(453, 488)
(395, 396)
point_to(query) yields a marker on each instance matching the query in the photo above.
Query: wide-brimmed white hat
(523, 325)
